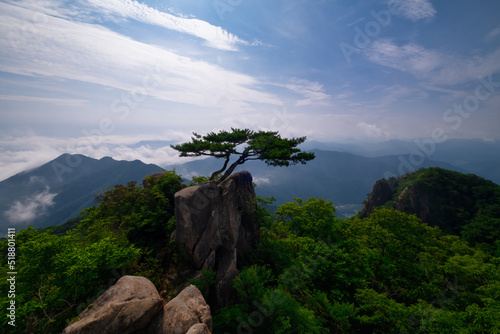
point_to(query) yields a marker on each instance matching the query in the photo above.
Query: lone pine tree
(267, 146)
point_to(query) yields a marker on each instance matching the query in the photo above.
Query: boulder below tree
(182, 313)
(134, 306)
(126, 307)
(215, 227)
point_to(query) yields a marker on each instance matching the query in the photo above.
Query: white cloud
(30, 208)
(120, 10)
(432, 66)
(413, 10)
(261, 180)
(408, 58)
(492, 35)
(312, 91)
(55, 101)
(372, 130)
(94, 54)
(214, 36)
(31, 151)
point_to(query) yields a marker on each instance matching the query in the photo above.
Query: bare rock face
(414, 201)
(198, 329)
(215, 227)
(382, 192)
(181, 314)
(126, 307)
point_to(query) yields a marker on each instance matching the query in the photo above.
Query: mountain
(460, 204)
(476, 156)
(58, 190)
(344, 178)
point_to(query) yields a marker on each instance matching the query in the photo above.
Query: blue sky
(96, 77)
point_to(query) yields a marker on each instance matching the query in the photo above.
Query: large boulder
(215, 227)
(182, 313)
(126, 307)
(198, 329)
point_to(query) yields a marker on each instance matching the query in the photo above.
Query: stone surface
(215, 227)
(382, 191)
(198, 329)
(126, 307)
(181, 313)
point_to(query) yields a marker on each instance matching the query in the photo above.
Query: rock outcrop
(198, 329)
(447, 199)
(133, 305)
(215, 227)
(126, 307)
(382, 192)
(411, 199)
(182, 313)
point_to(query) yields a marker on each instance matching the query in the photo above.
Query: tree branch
(214, 174)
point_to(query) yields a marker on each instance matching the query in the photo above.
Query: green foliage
(60, 274)
(312, 272)
(452, 201)
(267, 146)
(205, 280)
(313, 218)
(140, 214)
(389, 273)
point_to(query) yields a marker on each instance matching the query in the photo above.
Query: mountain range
(343, 173)
(58, 190)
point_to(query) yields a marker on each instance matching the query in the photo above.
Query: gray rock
(127, 306)
(215, 227)
(181, 313)
(198, 329)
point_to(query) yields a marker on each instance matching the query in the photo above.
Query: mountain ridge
(59, 189)
(343, 177)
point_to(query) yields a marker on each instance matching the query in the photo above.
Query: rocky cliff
(439, 197)
(215, 228)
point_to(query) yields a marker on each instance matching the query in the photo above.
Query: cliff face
(437, 196)
(411, 199)
(215, 227)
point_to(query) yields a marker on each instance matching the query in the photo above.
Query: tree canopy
(267, 146)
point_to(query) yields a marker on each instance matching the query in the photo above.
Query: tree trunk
(214, 174)
(240, 160)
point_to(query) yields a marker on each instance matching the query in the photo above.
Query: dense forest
(311, 273)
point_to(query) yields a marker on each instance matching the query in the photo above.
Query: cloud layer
(30, 208)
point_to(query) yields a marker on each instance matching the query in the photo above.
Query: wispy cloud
(30, 208)
(493, 34)
(214, 36)
(55, 101)
(432, 66)
(372, 130)
(313, 92)
(94, 54)
(413, 10)
(20, 153)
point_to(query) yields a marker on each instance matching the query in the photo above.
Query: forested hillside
(58, 190)
(460, 204)
(311, 273)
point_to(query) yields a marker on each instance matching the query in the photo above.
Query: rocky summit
(215, 227)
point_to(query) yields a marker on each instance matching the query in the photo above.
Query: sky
(112, 77)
